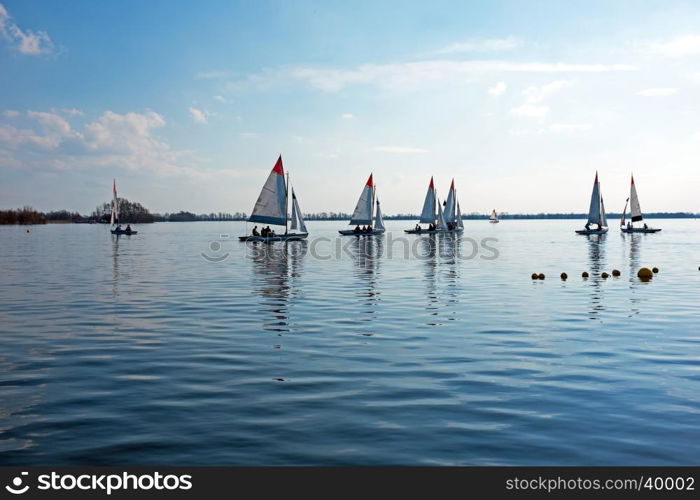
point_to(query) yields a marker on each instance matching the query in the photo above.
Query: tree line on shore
(135, 213)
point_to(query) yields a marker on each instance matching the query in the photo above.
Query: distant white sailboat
(596, 212)
(635, 214)
(494, 217)
(114, 217)
(364, 211)
(271, 209)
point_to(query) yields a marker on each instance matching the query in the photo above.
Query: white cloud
(398, 76)
(11, 113)
(682, 45)
(23, 41)
(657, 92)
(347, 116)
(198, 115)
(497, 89)
(219, 98)
(488, 45)
(535, 94)
(569, 127)
(399, 149)
(68, 111)
(248, 135)
(531, 110)
(212, 75)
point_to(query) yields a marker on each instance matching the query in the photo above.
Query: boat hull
(128, 233)
(436, 231)
(351, 232)
(494, 221)
(639, 230)
(277, 237)
(592, 231)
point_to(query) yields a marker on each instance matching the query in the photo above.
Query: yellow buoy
(645, 274)
(534, 276)
(655, 270)
(584, 274)
(564, 276)
(604, 275)
(615, 272)
(540, 276)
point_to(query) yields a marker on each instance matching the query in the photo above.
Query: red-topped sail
(431, 186)
(369, 181)
(278, 166)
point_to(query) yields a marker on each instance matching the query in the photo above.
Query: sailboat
(363, 214)
(452, 224)
(494, 217)
(114, 217)
(635, 214)
(271, 209)
(428, 214)
(596, 212)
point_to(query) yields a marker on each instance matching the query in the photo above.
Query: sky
(188, 104)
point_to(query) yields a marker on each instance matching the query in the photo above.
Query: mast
(286, 204)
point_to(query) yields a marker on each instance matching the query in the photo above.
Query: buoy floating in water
(604, 275)
(540, 276)
(655, 270)
(645, 274)
(584, 274)
(534, 276)
(564, 276)
(28, 231)
(615, 272)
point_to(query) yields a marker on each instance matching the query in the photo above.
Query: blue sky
(188, 104)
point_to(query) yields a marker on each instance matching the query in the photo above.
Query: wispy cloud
(399, 149)
(535, 94)
(25, 41)
(530, 110)
(414, 74)
(657, 92)
(679, 46)
(486, 45)
(347, 116)
(219, 98)
(497, 89)
(212, 75)
(11, 113)
(248, 135)
(198, 115)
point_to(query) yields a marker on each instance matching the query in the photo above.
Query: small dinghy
(114, 217)
(271, 209)
(362, 216)
(635, 214)
(596, 212)
(428, 214)
(494, 217)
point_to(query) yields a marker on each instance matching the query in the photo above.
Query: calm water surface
(140, 350)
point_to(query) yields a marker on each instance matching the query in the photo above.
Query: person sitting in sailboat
(369, 228)
(119, 227)
(418, 228)
(128, 228)
(357, 229)
(255, 231)
(588, 226)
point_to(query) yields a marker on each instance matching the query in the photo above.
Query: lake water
(182, 346)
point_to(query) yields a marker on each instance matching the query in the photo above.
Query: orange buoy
(645, 274)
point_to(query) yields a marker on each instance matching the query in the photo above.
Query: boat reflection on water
(440, 254)
(115, 265)
(277, 267)
(367, 253)
(596, 256)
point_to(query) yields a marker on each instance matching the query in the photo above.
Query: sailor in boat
(357, 229)
(418, 228)
(645, 226)
(128, 228)
(255, 231)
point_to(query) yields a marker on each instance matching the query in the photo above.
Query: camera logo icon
(16, 487)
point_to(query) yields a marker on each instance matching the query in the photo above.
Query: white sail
(297, 216)
(363, 211)
(427, 216)
(378, 219)
(635, 210)
(594, 209)
(450, 204)
(460, 222)
(494, 215)
(271, 205)
(115, 204)
(442, 224)
(624, 211)
(603, 219)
